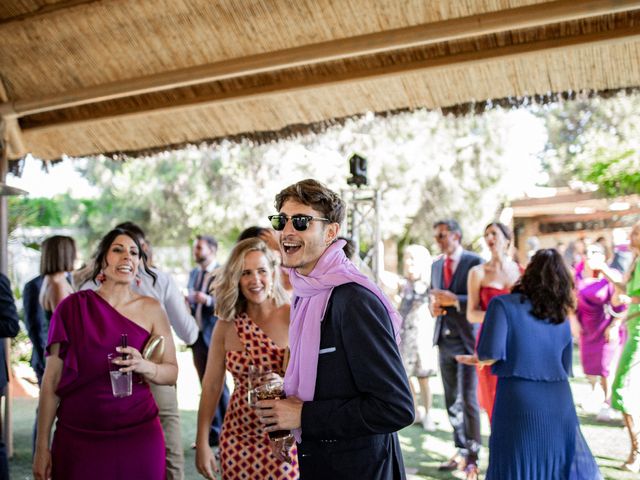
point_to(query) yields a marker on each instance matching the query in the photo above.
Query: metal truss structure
(362, 225)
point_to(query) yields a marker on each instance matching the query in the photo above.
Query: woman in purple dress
(600, 341)
(100, 436)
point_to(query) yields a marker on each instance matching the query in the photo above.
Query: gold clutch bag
(154, 349)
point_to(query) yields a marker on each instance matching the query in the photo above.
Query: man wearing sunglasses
(455, 335)
(347, 392)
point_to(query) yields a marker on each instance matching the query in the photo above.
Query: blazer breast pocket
(324, 351)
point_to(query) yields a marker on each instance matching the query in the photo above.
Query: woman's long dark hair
(100, 256)
(549, 285)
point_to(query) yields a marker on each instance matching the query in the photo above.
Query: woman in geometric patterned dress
(252, 329)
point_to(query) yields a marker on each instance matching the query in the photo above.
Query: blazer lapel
(437, 273)
(462, 265)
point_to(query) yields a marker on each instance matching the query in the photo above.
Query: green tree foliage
(60, 211)
(595, 140)
(619, 175)
(426, 166)
(429, 167)
(176, 195)
(34, 212)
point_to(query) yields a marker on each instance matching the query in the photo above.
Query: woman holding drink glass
(105, 430)
(249, 340)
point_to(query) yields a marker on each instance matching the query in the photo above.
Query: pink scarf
(310, 298)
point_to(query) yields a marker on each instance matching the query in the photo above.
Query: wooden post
(4, 217)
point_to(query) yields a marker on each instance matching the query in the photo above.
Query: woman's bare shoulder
(225, 333)
(224, 328)
(515, 268)
(284, 312)
(148, 303)
(479, 270)
(224, 325)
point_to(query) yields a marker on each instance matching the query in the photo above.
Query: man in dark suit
(347, 391)
(9, 327)
(203, 305)
(455, 335)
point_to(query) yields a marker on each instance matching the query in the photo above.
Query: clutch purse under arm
(154, 349)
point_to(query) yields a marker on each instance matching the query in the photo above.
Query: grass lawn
(422, 452)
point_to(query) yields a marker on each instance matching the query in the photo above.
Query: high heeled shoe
(633, 462)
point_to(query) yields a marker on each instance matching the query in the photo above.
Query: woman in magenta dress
(490, 279)
(100, 436)
(600, 339)
(252, 329)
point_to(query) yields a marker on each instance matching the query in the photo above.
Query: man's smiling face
(302, 249)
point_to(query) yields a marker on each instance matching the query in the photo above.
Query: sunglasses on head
(299, 222)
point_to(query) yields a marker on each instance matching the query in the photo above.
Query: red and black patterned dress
(244, 446)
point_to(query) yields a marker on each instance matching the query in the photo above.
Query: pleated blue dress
(535, 434)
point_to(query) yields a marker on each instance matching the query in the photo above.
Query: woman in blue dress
(535, 434)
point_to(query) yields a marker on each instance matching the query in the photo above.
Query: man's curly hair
(316, 195)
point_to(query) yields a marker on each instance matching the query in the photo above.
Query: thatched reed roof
(100, 76)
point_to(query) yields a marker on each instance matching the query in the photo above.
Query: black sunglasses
(299, 222)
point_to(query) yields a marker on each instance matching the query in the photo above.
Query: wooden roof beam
(569, 197)
(13, 135)
(46, 9)
(310, 83)
(584, 217)
(430, 33)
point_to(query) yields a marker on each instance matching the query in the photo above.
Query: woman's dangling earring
(101, 277)
(138, 280)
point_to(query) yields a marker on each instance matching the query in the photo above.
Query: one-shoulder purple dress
(99, 436)
(596, 353)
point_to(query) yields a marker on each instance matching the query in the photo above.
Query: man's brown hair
(316, 195)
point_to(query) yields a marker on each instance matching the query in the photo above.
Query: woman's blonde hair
(229, 299)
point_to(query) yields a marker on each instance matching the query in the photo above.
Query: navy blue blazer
(455, 324)
(35, 323)
(208, 318)
(362, 395)
(9, 325)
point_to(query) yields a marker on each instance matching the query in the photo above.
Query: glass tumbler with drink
(272, 388)
(257, 376)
